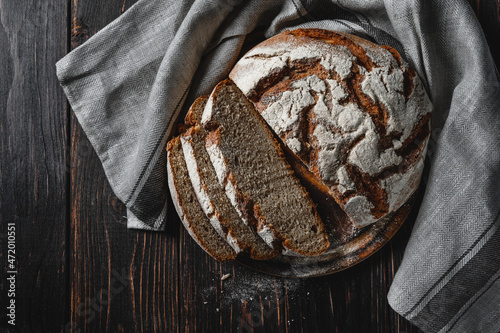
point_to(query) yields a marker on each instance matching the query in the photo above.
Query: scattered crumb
(217, 309)
(249, 288)
(225, 276)
(205, 302)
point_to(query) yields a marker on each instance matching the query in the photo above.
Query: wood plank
(121, 280)
(33, 163)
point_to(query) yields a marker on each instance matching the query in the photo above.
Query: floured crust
(352, 111)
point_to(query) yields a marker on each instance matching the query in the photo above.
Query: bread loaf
(352, 111)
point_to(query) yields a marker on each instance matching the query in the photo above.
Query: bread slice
(259, 182)
(193, 116)
(189, 209)
(214, 201)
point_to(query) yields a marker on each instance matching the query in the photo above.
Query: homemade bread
(253, 171)
(189, 209)
(352, 111)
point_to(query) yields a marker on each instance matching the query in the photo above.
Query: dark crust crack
(368, 186)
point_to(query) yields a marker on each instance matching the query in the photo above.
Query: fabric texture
(129, 83)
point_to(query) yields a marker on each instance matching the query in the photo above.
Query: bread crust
(214, 202)
(353, 112)
(193, 116)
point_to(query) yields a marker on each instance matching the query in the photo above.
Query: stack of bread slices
(232, 186)
(352, 117)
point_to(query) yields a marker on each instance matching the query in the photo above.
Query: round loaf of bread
(352, 111)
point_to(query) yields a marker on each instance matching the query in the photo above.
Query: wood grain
(80, 268)
(33, 156)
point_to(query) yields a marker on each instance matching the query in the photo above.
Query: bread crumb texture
(255, 175)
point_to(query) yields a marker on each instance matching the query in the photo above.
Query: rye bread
(189, 209)
(214, 201)
(352, 111)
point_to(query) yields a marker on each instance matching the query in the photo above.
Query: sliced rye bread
(258, 180)
(215, 202)
(189, 209)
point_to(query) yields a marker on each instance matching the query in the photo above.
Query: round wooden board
(348, 246)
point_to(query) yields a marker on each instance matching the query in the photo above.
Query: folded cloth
(129, 82)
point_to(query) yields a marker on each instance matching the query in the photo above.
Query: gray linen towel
(129, 82)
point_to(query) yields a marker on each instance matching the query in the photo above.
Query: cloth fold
(129, 83)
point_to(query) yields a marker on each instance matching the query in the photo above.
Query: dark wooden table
(80, 269)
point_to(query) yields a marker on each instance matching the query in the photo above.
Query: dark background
(80, 269)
